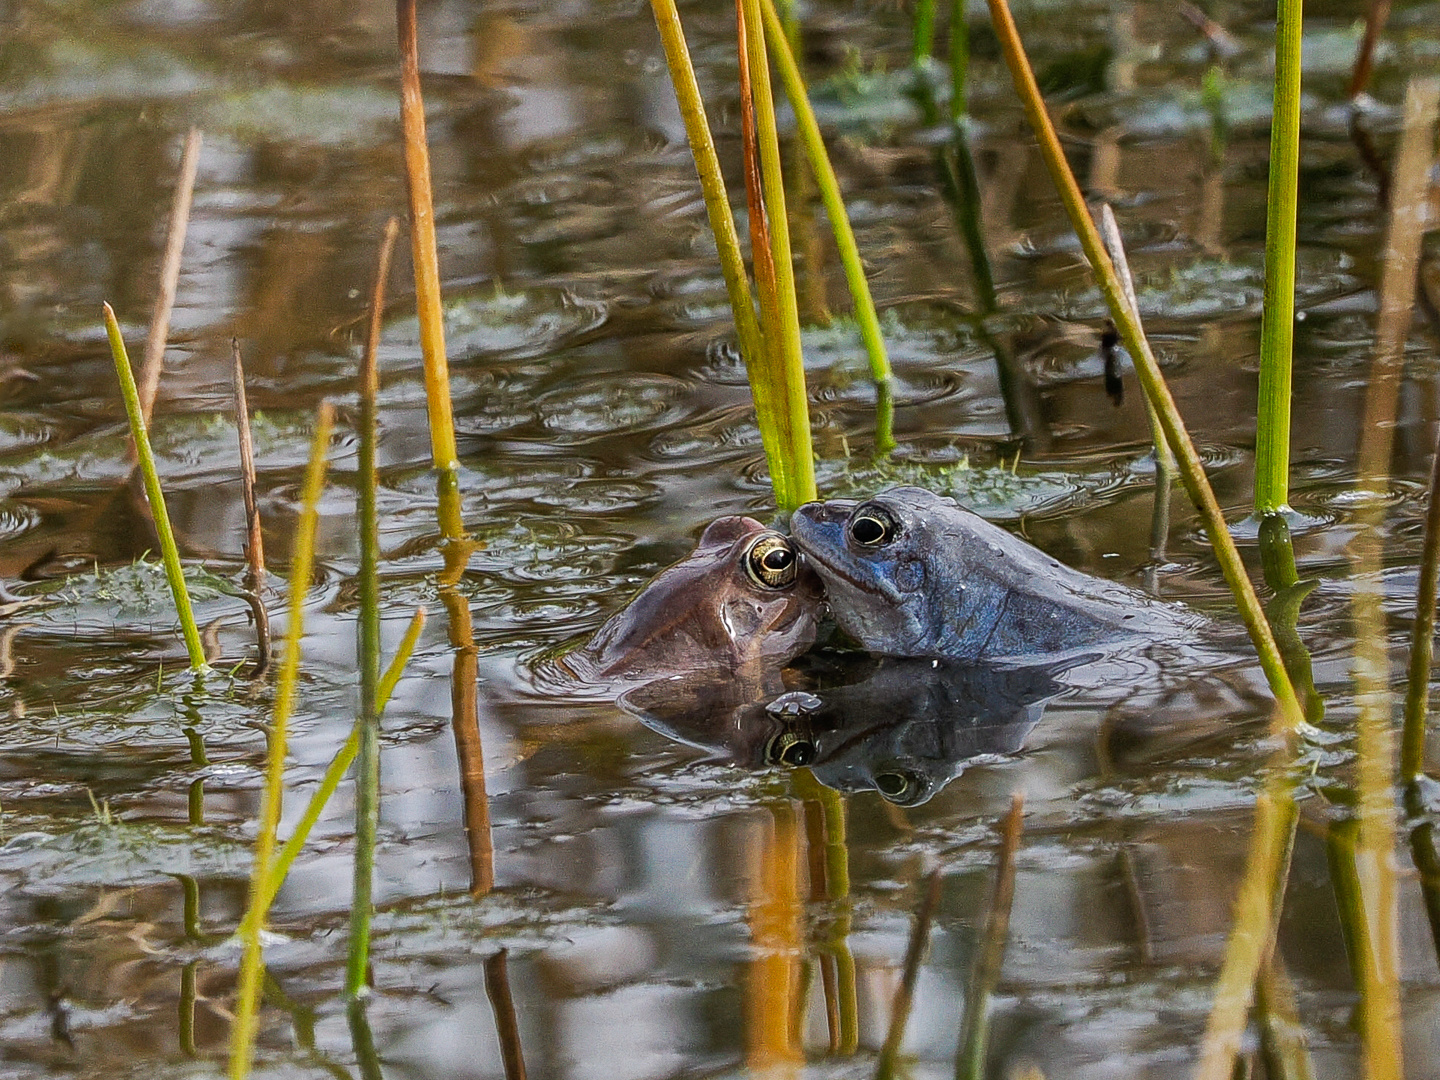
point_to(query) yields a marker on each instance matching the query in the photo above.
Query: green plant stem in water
(367, 772)
(169, 553)
(1427, 862)
(1192, 469)
(924, 34)
(722, 222)
(1422, 637)
(784, 358)
(341, 762)
(1277, 326)
(959, 62)
(866, 317)
(1282, 1036)
(1252, 938)
(1277, 560)
(242, 1033)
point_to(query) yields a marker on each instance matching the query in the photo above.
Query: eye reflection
(789, 748)
(900, 786)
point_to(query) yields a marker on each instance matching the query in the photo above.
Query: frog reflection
(910, 573)
(905, 729)
(742, 601)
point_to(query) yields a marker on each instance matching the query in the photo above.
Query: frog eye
(901, 786)
(871, 526)
(789, 748)
(771, 561)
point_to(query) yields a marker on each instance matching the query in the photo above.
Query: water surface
(604, 421)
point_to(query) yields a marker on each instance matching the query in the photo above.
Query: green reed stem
(774, 405)
(796, 482)
(367, 772)
(391, 678)
(1426, 860)
(1192, 469)
(924, 30)
(1422, 637)
(1277, 562)
(341, 762)
(169, 553)
(185, 1035)
(242, 1033)
(1277, 325)
(362, 1041)
(837, 891)
(1252, 937)
(1282, 1036)
(959, 61)
(866, 317)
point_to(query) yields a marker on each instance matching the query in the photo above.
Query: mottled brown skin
(705, 612)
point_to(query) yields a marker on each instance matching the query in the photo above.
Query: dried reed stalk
(254, 541)
(154, 355)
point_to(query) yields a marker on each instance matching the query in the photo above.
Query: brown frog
(742, 599)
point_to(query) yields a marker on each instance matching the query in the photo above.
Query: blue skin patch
(909, 573)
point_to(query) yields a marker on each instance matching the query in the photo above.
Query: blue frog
(912, 573)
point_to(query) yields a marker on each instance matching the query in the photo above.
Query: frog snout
(815, 524)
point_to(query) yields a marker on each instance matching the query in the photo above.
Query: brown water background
(603, 421)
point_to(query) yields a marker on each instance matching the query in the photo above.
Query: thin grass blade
(242, 1032)
(169, 553)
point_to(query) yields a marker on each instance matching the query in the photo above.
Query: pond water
(646, 906)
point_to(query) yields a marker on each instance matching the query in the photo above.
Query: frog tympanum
(911, 573)
(742, 597)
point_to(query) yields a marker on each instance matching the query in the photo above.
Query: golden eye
(771, 561)
(901, 786)
(789, 748)
(871, 526)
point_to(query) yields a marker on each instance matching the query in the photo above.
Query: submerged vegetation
(809, 898)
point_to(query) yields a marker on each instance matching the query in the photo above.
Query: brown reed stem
(154, 355)
(970, 1062)
(905, 992)
(254, 542)
(502, 1003)
(469, 750)
(761, 256)
(428, 310)
(1376, 16)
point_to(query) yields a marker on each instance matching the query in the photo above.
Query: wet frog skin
(742, 598)
(911, 573)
